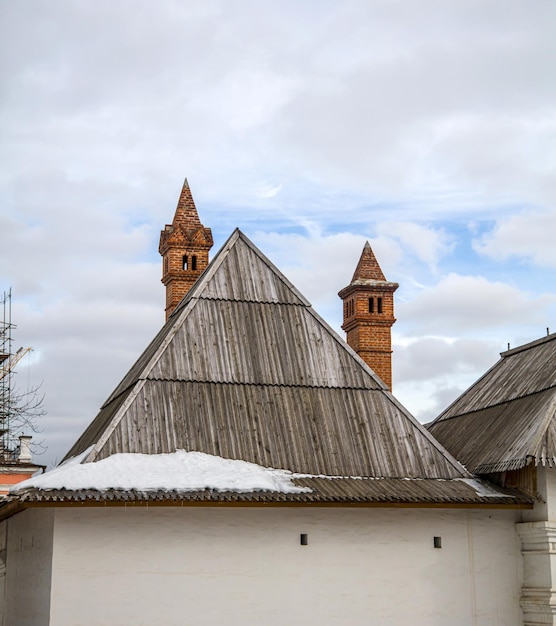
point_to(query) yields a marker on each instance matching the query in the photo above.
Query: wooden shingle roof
(507, 419)
(245, 369)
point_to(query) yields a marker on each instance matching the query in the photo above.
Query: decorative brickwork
(369, 315)
(184, 246)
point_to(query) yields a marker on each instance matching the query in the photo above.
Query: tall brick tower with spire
(184, 246)
(369, 315)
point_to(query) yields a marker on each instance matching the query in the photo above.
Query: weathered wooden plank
(308, 430)
(258, 343)
(502, 435)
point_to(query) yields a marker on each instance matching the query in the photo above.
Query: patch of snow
(180, 470)
(184, 471)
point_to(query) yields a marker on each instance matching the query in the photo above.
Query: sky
(427, 128)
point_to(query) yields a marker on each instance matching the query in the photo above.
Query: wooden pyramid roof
(507, 419)
(245, 369)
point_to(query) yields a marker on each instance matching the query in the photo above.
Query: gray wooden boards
(245, 369)
(507, 418)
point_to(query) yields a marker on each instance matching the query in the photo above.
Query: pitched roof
(245, 369)
(507, 419)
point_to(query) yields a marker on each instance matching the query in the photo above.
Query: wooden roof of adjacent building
(507, 419)
(245, 369)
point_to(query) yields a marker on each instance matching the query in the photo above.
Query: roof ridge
(528, 346)
(273, 268)
(206, 274)
(136, 386)
(489, 406)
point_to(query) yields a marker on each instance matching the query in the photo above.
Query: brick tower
(184, 246)
(369, 315)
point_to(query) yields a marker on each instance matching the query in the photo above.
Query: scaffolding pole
(7, 449)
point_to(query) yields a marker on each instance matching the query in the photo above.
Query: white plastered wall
(245, 566)
(28, 540)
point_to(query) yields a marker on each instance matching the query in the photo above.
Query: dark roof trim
(514, 464)
(323, 490)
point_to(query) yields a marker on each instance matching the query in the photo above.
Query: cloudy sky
(428, 128)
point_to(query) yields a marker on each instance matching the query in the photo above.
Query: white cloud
(268, 190)
(375, 97)
(473, 304)
(320, 265)
(529, 235)
(431, 372)
(428, 244)
(429, 358)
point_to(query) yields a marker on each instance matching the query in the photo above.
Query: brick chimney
(369, 315)
(184, 246)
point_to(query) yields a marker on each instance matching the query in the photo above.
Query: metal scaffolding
(9, 445)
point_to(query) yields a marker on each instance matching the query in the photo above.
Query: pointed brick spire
(184, 247)
(369, 315)
(186, 212)
(368, 267)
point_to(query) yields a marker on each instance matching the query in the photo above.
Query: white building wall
(28, 540)
(245, 566)
(538, 538)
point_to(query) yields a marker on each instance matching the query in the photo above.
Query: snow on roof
(204, 478)
(180, 470)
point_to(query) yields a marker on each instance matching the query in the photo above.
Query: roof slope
(245, 369)
(507, 419)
